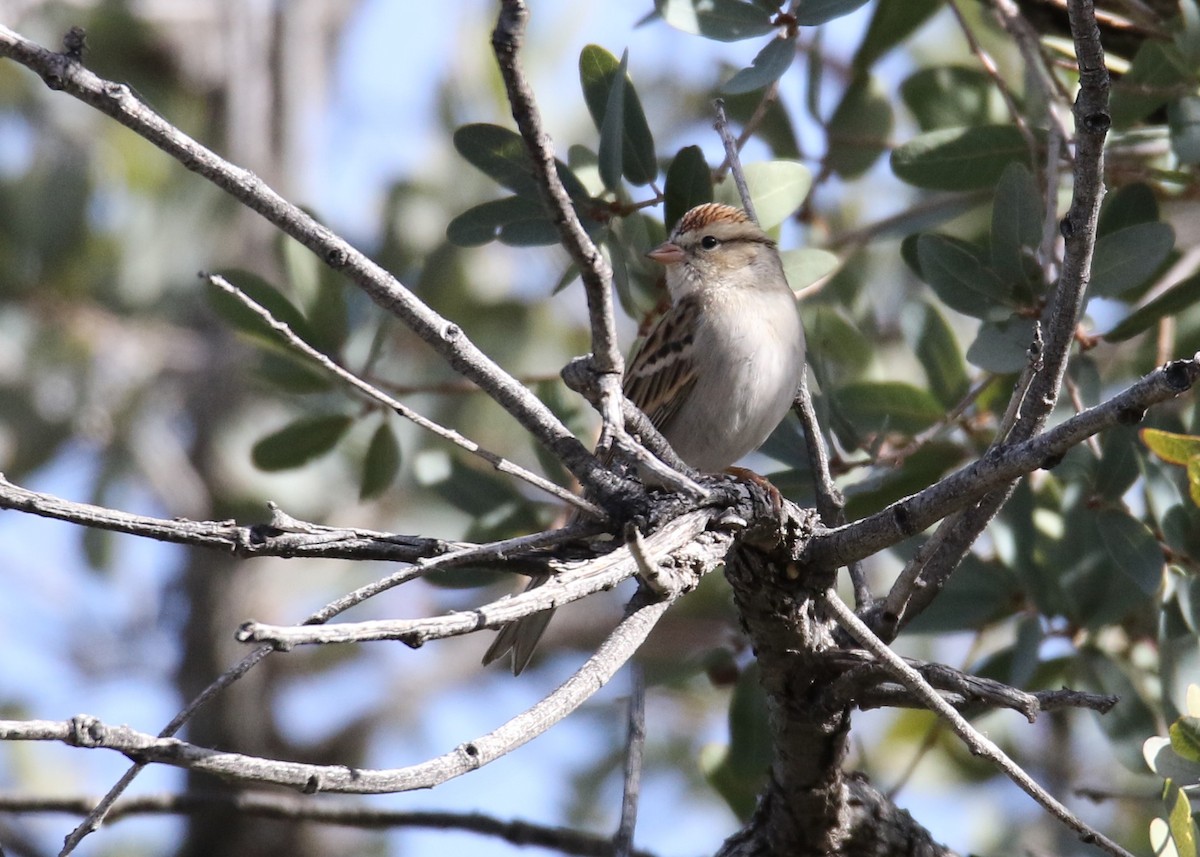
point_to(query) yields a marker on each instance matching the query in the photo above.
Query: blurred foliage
(911, 209)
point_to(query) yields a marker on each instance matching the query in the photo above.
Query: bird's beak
(666, 253)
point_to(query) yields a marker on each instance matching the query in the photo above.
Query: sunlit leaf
(1185, 738)
(767, 67)
(959, 158)
(721, 20)
(803, 266)
(1171, 447)
(778, 188)
(299, 442)
(813, 13)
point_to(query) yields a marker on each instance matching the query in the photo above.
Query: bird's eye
(708, 242)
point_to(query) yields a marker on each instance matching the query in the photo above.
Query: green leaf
(813, 13)
(1185, 738)
(482, 223)
(247, 321)
(803, 266)
(1182, 825)
(1118, 467)
(1183, 118)
(948, 96)
(535, 232)
(382, 462)
(292, 372)
(689, 183)
(767, 67)
(919, 470)
(720, 20)
(737, 772)
(1127, 206)
(500, 154)
(626, 144)
(892, 23)
(932, 339)
(1132, 549)
(1016, 223)
(1127, 258)
(778, 188)
(835, 346)
(978, 593)
(300, 442)
(890, 406)
(959, 275)
(959, 158)
(1002, 346)
(1177, 298)
(859, 130)
(1171, 447)
(1156, 75)
(1193, 477)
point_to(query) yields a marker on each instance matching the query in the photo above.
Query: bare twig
(344, 813)
(62, 72)
(88, 732)
(733, 159)
(375, 394)
(571, 582)
(593, 269)
(979, 744)
(623, 841)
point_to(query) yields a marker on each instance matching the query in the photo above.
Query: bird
(718, 371)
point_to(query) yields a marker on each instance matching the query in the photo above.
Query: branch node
(86, 731)
(74, 44)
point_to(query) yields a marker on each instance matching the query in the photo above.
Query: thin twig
(594, 270)
(376, 395)
(340, 812)
(732, 157)
(571, 582)
(634, 745)
(88, 732)
(503, 548)
(978, 744)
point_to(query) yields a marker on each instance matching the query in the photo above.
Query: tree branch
(907, 517)
(593, 269)
(977, 743)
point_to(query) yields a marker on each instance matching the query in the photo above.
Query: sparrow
(718, 372)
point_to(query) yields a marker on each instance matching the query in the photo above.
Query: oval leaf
(382, 462)
(859, 129)
(959, 158)
(1016, 223)
(936, 346)
(948, 96)
(778, 188)
(813, 13)
(957, 273)
(612, 128)
(1171, 447)
(689, 183)
(888, 406)
(500, 154)
(1002, 346)
(1127, 258)
(299, 442)
(611, 98)
(721, 20)
(805, 265)
(892, 23)
(482, 223)
(766, 68)
(246, 320)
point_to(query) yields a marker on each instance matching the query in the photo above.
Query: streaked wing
(663, 371)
